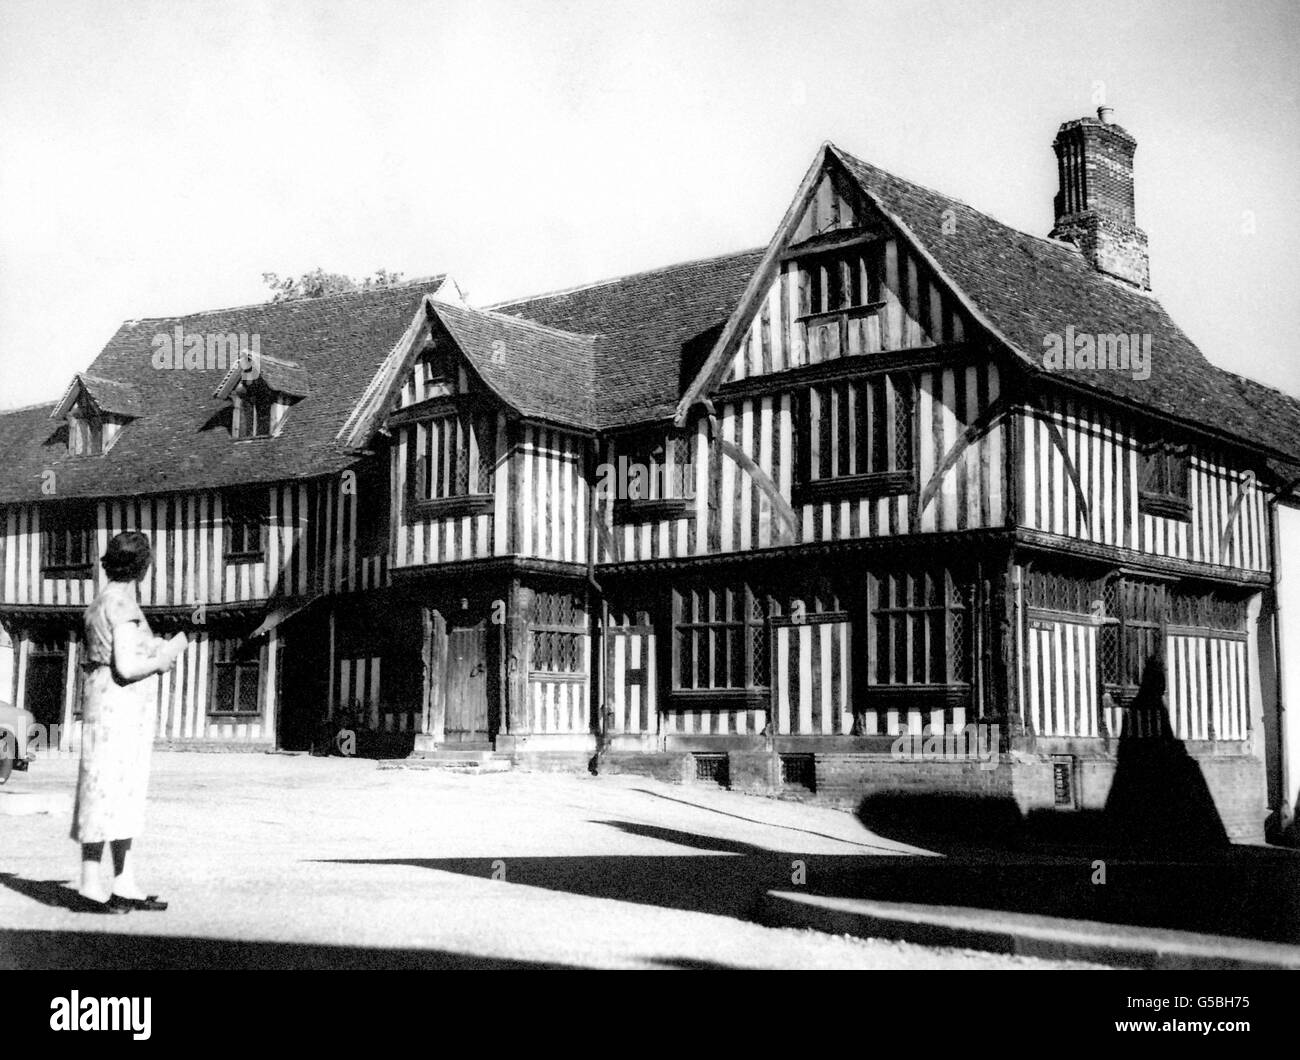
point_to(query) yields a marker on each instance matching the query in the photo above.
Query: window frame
(244, 509)
(470, 418)
(572, 634)
(675, 485)
(72, 520)
(754, 622)
(956, 600)
(878, 482)
(1169, 464)
(234, 647)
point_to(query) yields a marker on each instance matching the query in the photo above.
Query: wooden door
(47, 668)
(467, 701)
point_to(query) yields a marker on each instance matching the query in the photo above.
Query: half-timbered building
(783, 517)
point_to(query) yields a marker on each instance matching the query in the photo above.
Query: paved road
(290, 861)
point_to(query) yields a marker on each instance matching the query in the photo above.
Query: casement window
(245, 518)
(840, 290)
(719, 640)
(1138, 616)
(67, 539)
(236, 673)
(558, 630)
(1162, 488)
(1060, 592)
(1133, 631)
(652, 475)
(451, 462)
(918, 628)
(856, 437)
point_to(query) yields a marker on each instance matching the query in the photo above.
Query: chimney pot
(1106, 114)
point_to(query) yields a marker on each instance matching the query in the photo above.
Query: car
(15, 725)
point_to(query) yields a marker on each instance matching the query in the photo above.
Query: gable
(846, 285)
(839, 279)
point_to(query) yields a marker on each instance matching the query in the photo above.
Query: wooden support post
(514, 711)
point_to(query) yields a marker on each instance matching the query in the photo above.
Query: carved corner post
(1004, 600)
(434, 655)
(515, 714)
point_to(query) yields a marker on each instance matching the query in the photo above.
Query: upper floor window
(841, 291)
(245, 526)
(652, 475)
(68, 539)
(1162, 488)
(856, 437)
(452, 461)
(435, 374)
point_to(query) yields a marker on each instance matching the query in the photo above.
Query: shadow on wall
(1158, 802)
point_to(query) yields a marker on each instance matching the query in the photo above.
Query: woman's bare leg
(124, 870)
(92, 875)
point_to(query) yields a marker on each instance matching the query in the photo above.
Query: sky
(157, 158)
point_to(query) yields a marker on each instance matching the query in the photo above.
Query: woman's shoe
(152, 904)
(81, 904)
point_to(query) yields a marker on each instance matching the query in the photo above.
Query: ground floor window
(719, 638)
(1136, 619)
(918, 628)
(236, 671)
(558, 629)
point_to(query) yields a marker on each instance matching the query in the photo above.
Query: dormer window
(254, 411)
(261, 390)
(95, 411)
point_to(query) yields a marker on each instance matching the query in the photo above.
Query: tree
(318, 283)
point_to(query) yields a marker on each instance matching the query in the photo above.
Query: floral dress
(117, 726)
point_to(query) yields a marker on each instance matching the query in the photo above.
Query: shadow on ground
(1245, 892)
(80, 950)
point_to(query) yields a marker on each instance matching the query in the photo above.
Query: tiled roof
(652, 329)
(538, 370)
(1028, 287)
(181, 440)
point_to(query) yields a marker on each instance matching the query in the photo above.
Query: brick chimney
(1094, 208)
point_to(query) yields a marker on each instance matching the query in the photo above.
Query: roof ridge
(290, 301)
(626, 276)
(526, 322)
(1059, 243)
(30, 408)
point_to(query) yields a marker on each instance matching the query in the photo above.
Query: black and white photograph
(531, 487)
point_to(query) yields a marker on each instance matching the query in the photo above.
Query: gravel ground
(291, 861)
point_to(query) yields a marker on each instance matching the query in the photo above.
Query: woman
(117, 730)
